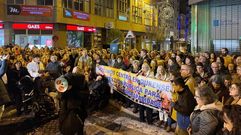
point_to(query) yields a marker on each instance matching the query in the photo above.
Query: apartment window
(79, 5)
(16, 2)
(44, 2)
(137, 11)
(67, 4)
(98, 7)
(104, 8)
(109, 8)
(123, 9)
(148, 14)
(87, 6)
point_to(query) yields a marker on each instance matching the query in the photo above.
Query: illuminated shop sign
(68, 13)
(26, 10)
(1, 26)
(122, 18)
(76, 14)
(80, 28)
(81, 16)
(33, 26)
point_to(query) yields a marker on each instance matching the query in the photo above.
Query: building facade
(73, 23)
(216, 24)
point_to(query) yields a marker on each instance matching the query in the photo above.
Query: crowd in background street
(206, 96)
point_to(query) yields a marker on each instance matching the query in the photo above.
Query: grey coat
(205, 120)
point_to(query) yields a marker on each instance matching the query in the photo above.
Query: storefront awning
(191, 2)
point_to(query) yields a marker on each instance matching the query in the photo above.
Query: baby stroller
(26, 87)
(99, 94)
(33, 100)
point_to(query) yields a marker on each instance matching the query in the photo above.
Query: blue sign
(215, 23)
(68, 13)
(114, 48)
(122, 18)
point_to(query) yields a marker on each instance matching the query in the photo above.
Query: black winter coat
(185, 103)
(73, 105)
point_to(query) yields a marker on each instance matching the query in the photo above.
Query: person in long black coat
(73, 105)
(14, 76)
(100, 93)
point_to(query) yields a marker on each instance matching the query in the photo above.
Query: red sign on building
(1, 26)
(80, 28)
(18, 26)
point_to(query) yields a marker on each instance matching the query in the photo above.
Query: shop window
(16, 2)
(19, 31)
(43, 32)
(44, 2)
(225, 27)
(75, 39)
(232, 45)
(33, 31)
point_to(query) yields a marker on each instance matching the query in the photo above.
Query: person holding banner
(146, 72)
(163, 75)
(134, 68)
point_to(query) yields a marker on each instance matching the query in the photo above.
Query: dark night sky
(183, 4)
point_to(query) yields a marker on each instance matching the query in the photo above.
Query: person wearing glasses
(235, 93)
(187, 74)
(204, 119)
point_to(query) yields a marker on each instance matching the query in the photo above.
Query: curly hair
(233, 113)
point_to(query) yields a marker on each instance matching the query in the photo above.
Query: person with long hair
(146, 72)
(232, 120)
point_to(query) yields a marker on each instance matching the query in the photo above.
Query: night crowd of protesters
(206, 86)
